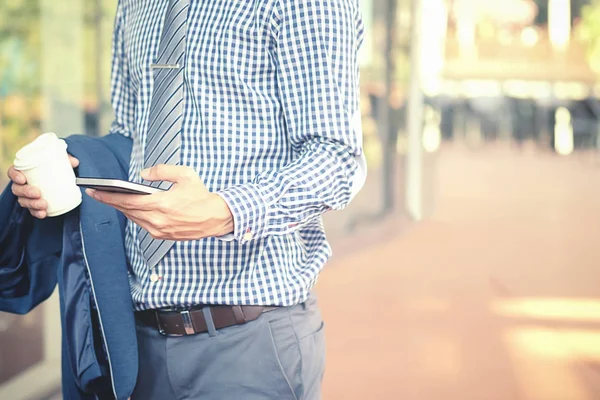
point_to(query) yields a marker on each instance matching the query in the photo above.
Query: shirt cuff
(249, 212)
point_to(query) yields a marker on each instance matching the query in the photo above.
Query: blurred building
(511, 66)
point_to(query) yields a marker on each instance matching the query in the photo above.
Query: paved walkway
(496, 297)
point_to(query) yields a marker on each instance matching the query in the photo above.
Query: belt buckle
(188, 325)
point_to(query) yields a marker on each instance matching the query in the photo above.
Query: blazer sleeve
(29, 254)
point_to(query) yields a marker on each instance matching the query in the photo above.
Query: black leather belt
(193, 321)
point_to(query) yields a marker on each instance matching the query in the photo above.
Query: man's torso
(233, 129)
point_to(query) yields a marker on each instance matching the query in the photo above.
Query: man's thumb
(169, 173)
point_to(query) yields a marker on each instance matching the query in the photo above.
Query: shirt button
(248, 236)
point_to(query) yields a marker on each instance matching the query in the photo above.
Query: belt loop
(238, 313)
(210, 323)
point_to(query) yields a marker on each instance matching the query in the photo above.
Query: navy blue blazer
(83, 252)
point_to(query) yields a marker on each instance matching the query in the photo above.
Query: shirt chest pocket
(234, 48)
(240, 51)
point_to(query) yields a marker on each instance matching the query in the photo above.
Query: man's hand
(29, 196)
(188, 211)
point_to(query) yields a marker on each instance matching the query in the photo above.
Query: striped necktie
(163, 140)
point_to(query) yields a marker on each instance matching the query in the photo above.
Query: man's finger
(144, 224)
(169, 173)
(122, 201)
(39, 204)
(16, 176)
(135, 218)
(139, 215)
(28, 191)
(39, 214)
(137, 221)
(74, 161)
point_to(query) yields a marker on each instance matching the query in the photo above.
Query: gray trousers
(279, 356)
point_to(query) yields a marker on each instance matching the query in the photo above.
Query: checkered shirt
(271, 123)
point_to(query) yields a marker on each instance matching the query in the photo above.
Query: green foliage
(19, 46)
(589, 32)
(19, 74)
(21, 64)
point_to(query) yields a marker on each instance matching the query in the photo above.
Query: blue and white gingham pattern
(271, 123)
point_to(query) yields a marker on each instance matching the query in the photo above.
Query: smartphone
(116, 185)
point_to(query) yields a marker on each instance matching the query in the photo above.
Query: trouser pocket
(299, 342)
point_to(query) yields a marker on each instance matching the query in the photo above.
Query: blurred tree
(542, 17)
(19, 73)
(589, 32)
(98, 21)
(20, 69)
(19, 46)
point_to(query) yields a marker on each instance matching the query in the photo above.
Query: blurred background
(468, 267)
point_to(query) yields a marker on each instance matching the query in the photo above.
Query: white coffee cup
(45, 163)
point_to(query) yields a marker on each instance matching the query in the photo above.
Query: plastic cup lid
(31, 155)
